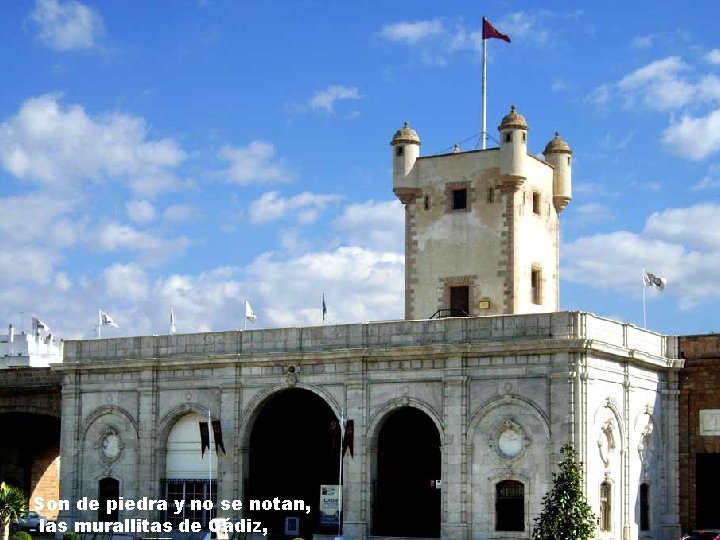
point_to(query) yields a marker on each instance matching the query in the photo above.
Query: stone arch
(255, 405)
(404, 447)
(508, 399)
(381, 415)
(27, 406)
(167, 422)
(104, 410)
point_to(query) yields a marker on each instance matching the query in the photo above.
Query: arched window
(605, 506)
(509, 506)
(644, 507)
(188, 466)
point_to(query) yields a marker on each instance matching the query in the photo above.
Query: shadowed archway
(291, 454)
(407, 497)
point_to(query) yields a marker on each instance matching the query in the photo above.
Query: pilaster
(455, 515)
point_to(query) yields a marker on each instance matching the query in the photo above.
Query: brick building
(699, 431)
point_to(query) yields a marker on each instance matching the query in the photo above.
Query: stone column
(355, 476)
(228, 481)
(454, 511)
(70, 448)
(148, 475)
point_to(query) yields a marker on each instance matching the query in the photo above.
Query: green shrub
(69, 536)
(22, 535)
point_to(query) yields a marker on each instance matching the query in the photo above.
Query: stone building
(457, 422)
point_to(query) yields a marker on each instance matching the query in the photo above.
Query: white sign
(709, 422)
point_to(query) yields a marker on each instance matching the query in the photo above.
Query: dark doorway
(293, 451)
(108, 490)
(29, 451)
(407, 498)
(460, 301)
(707, 471)
(509, 506)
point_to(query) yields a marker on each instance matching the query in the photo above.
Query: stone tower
(482, 227)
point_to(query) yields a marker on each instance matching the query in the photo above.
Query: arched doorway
(292, 452)
(30, 455)
(407, 496)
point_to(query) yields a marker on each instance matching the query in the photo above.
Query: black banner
(348, 442)
(204, 437)
(217, 433)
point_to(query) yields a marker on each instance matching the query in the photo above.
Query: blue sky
(197, 153)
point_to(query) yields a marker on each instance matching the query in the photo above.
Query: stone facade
(504, 394)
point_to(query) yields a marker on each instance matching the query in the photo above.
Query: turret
(558, 154)
(513, 149)
(405, 150)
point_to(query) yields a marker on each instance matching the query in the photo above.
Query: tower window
(605, 506)
(509, 506)
(524, 138)
(644, 507)
(536, 202)
(491, 195)
(508, 137)
(536, 286)
(399, 150)
(459, 201)
(427, 202)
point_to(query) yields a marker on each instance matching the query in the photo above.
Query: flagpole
(99, 323)
(210, 462)
(644, 310)
(342, 440)
(483, 134)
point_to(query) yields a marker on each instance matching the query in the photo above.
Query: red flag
(489, 31)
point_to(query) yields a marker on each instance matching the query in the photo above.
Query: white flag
(107, 320)
(651, 280)
(249, 313)
(172, 321)
(39, 325)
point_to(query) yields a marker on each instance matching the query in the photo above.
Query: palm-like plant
(12, 506)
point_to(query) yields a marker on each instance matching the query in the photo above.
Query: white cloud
(359, 284)
(710, 181)
(62, 282)
(680, 244)
(306, 207)
(50, 216)
(666, 84)
(254, 164)
(141, 212)
(523, 25)
(713, 56)
(643, 42)
(66, 25)
(374, 225)
(179, 212)
(412, 32)
(59, 146)
(694, 137)
(126, 281)
(27, 265)
(591, 213)
(325, 99)
(152, 249)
